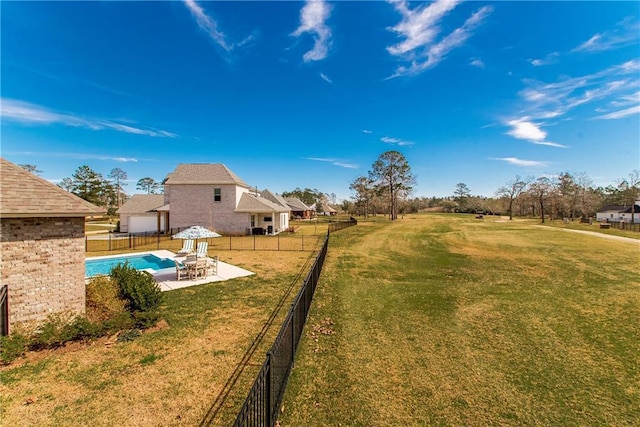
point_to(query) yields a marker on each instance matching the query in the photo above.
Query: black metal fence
(265, 396)
(279, 242)
(4, 310)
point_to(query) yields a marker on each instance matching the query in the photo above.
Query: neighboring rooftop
(24, 195)
(203, 173)
(297, 204)
(140, 203)
(252, 203)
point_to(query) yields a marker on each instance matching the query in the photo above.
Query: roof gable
(141, 203)
(252, 203)
(296, 204)
(279, 200)
(203, 173)
(23, 195)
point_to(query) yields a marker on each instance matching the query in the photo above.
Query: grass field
(168, 376)
(447, 320)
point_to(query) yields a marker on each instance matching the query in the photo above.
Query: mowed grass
(170, 375)
(447, 320)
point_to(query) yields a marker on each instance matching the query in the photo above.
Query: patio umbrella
(196, 232)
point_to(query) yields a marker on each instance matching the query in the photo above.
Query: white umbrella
(196, 232)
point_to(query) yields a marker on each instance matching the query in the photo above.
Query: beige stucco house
(211, 195)
(42, 246)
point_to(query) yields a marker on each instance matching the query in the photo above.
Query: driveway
(593, 233)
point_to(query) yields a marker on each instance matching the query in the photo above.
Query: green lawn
(448, 320)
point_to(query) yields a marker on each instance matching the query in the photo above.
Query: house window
(217, 195)
(267, 219)
(611, 215)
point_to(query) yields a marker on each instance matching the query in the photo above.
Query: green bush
(103, 301)
(12, 346)
(140, 291)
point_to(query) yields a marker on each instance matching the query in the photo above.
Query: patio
(166, 277)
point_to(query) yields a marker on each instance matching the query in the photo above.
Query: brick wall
(42, 262)
(194, 205)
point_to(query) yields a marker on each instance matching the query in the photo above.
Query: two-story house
(211, 195)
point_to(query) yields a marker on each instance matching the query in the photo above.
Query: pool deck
(166, 277)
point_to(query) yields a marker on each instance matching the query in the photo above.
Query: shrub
(103, 300)
(140, 291)
(12, 347)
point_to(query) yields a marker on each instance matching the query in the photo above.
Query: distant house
(42, 246)
(618, 213)
(144, 213)
(211, 195)
(324, 209)
(298, 208)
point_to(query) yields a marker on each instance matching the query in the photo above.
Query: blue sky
(308, 94)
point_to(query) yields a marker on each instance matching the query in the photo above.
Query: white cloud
(76, 156)
(24, 112)
(549, 144)
(334, 162)
(324, 77)
(395, 141)
(476, 62)
(366, 131)
(526, 130)
(615, 86)
(519, 162)
(313, 16)
(549, 59)
(207, 24)
(626, 33)
(419, 27)
(621, 114)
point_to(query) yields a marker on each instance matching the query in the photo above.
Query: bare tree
(118, 176)
(362, 186)
(541, 190)
(512, 191)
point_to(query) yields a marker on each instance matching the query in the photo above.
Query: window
(217, 195)
(267, 219)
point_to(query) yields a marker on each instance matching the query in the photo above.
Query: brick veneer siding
(194, 205)
(42, 262)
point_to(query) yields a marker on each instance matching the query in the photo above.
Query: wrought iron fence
(135, 241)
(4, 310)
(265, 396)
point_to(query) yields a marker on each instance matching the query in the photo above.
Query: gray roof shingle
(297, 204)
(203, 173)
(256, 204)
(24, 195)
(141, 203)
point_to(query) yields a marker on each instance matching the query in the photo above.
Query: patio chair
(203, 248)
(199, 269)
(212, 265)
(181, 270)
(187, 247)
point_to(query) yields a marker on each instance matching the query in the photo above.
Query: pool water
(98, 267)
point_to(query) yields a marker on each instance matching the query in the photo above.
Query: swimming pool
(97, 267)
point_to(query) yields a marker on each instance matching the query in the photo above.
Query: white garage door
(140, 224)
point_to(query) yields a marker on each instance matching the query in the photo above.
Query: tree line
(95, 188)
(566, 195)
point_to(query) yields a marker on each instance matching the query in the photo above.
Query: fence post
(86, 243)
(109, 241)
(268, 389)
